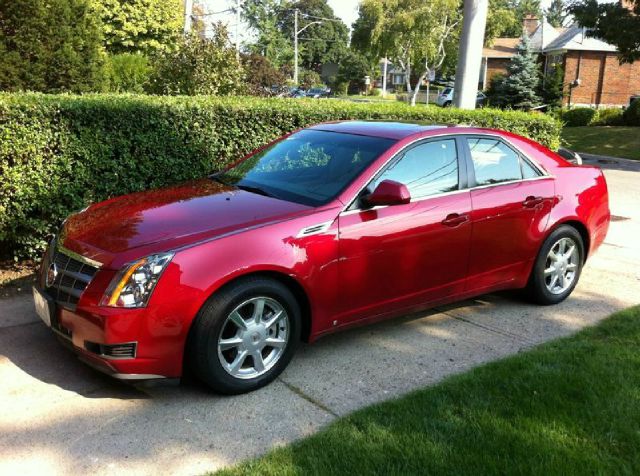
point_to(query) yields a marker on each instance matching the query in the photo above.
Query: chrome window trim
(78, 257)
(543, 173)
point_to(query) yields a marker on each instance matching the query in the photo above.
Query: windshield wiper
(257, 190)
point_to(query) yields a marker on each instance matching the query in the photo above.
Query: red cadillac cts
(332, 226)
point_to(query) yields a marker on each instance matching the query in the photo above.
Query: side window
(426, 169)
(528, 171)
(494, 161)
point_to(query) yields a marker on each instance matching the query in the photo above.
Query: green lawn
(571, 406)
(606, 140)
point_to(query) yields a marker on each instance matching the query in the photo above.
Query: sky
(346, 10)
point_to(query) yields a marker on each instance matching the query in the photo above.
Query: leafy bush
(198, 66)
(608, 117)
(261, 75)
(128, 73)
(61, 152)
(632, 114)
(309, 79)
(580, 116)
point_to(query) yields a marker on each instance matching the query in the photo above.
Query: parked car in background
(318, 93)
(445, 98)
(330, 227)
(298, 93)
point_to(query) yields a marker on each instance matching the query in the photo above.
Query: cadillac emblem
(52, 274)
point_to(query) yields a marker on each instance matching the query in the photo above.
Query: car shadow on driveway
(35, 350)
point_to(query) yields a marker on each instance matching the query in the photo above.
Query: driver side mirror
(388, 192)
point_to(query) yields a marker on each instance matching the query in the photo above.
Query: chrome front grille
(72, 276)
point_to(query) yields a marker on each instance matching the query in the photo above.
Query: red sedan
(332, 226)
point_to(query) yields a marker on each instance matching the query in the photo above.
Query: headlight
(133, 285)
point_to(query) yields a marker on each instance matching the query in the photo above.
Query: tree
(502, 20)
(199, 66)
(557, 13)
(413, 34)
(520, 85)
(552, 90)
(50, 46)
(263, 17)
(261, 75)
(323, 42)
(353, 69)
(613, 23)
(146, 26)
(505, 17)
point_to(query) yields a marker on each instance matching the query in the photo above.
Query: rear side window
(426, 169)
(495, 162)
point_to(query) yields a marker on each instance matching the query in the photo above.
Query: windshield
(309, 167)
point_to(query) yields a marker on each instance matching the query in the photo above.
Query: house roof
(501, 48)
(576, 38)
(543, 35)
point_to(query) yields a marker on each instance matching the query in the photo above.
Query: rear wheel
(558, 266)
(447, 104)
(245, 335)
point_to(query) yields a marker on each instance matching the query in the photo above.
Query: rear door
(511, 199)
(397, 256)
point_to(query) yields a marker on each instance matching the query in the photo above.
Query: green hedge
(58, 153)
(580, 116)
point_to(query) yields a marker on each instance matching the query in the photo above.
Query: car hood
(138, 224)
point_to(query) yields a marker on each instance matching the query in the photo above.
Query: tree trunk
(416, 90)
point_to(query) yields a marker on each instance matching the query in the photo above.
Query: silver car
(445, 98)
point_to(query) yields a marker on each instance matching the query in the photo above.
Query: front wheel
(245, 335)
(558, 266)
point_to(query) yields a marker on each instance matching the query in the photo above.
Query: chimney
(529, 24)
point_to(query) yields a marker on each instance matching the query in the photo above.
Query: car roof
(388, 130)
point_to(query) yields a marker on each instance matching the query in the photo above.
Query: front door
(398, 256)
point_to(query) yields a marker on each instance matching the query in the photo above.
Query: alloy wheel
(561, 265)
(254, 337)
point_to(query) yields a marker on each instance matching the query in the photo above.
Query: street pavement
(60, 417)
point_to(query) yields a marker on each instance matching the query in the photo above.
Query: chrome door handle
(532, 202)
(455, 219)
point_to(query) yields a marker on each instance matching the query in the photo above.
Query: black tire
(210, 323)
(447, 104)
(537, 290)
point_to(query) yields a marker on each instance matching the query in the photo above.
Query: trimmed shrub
(59, 153)
(632, 114)
(580, 116)
(128, 73)
(608, 117)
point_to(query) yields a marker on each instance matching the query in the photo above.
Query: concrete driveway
(59, 417)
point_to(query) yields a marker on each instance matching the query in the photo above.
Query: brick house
(593, 75)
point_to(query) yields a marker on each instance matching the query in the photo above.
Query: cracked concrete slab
(61, 417)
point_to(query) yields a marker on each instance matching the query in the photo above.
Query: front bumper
(106, 341)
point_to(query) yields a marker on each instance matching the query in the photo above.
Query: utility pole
(470, 53)
(384, 77)
(188, 7)
(295, 47)
(296, 32)
(238, 3)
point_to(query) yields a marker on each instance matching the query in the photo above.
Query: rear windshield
(310, 167)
